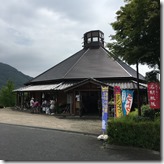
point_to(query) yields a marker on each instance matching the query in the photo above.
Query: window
(94, 34)
(95, 39)
(88, 40)
(88, 35)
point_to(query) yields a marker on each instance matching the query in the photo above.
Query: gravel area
(89, 125)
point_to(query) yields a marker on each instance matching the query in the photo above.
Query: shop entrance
(90, 102)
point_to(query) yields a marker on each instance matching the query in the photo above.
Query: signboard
(154, 95)
(118, 101)
(127, 100)
(104, 97)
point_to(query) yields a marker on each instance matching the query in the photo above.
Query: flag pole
(104, 100)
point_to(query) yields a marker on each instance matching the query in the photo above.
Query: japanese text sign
(154, 95)
(104, 97)
(127, 100)
(118, 101)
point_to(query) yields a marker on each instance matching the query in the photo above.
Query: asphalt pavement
(22, 143)
(90, 126)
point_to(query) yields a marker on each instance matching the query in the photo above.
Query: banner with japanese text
(127, 100)
(154, 95)
(104, 97)
(118, 101)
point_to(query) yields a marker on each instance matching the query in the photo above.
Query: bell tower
(93, 39)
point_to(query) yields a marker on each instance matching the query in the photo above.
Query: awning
(71, 85)
(128, 85)
(38, 87)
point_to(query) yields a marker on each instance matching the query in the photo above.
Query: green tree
(152, 76)
(137, 33)
(7, 98)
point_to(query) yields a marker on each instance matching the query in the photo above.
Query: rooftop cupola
(93, 39)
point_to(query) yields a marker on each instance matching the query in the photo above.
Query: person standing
(36, 106)
(44, 105)
(47, 107)
(32, 104)
(52, 107)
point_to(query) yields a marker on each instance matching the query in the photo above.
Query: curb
(119, 147)
(61, 130)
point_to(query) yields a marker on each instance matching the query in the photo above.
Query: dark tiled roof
(59, 70)
(73, 84)
(89, 80)
(131, 71)
(88, 63)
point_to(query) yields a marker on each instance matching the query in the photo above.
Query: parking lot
(89, 125)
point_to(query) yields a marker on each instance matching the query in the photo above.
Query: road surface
(22, 143)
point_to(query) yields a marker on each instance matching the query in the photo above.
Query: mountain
(8, 72)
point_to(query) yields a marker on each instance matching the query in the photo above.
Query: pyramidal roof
(93, 61)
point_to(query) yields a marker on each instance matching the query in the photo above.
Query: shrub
(149, 113)
(133, 130)
(143, 108)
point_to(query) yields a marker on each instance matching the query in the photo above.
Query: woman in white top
(32, 102)
(52, 106)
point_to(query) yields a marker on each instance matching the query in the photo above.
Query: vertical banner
(127, 100)
(154, 95)
(104, 98)
(117, 101)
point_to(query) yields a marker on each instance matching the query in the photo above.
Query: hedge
(145, 134)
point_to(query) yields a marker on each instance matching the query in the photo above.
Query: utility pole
(138, 91)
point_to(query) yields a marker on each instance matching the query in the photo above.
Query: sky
(35, 35)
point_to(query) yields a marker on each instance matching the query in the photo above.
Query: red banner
(154, 95)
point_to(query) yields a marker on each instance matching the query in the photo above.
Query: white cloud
(38, 34)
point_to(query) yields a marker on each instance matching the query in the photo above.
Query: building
(75, 83)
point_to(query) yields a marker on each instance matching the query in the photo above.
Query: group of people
(47, 107)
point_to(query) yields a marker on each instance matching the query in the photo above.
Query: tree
(152, 76)
(137, 33)
(7, 98)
